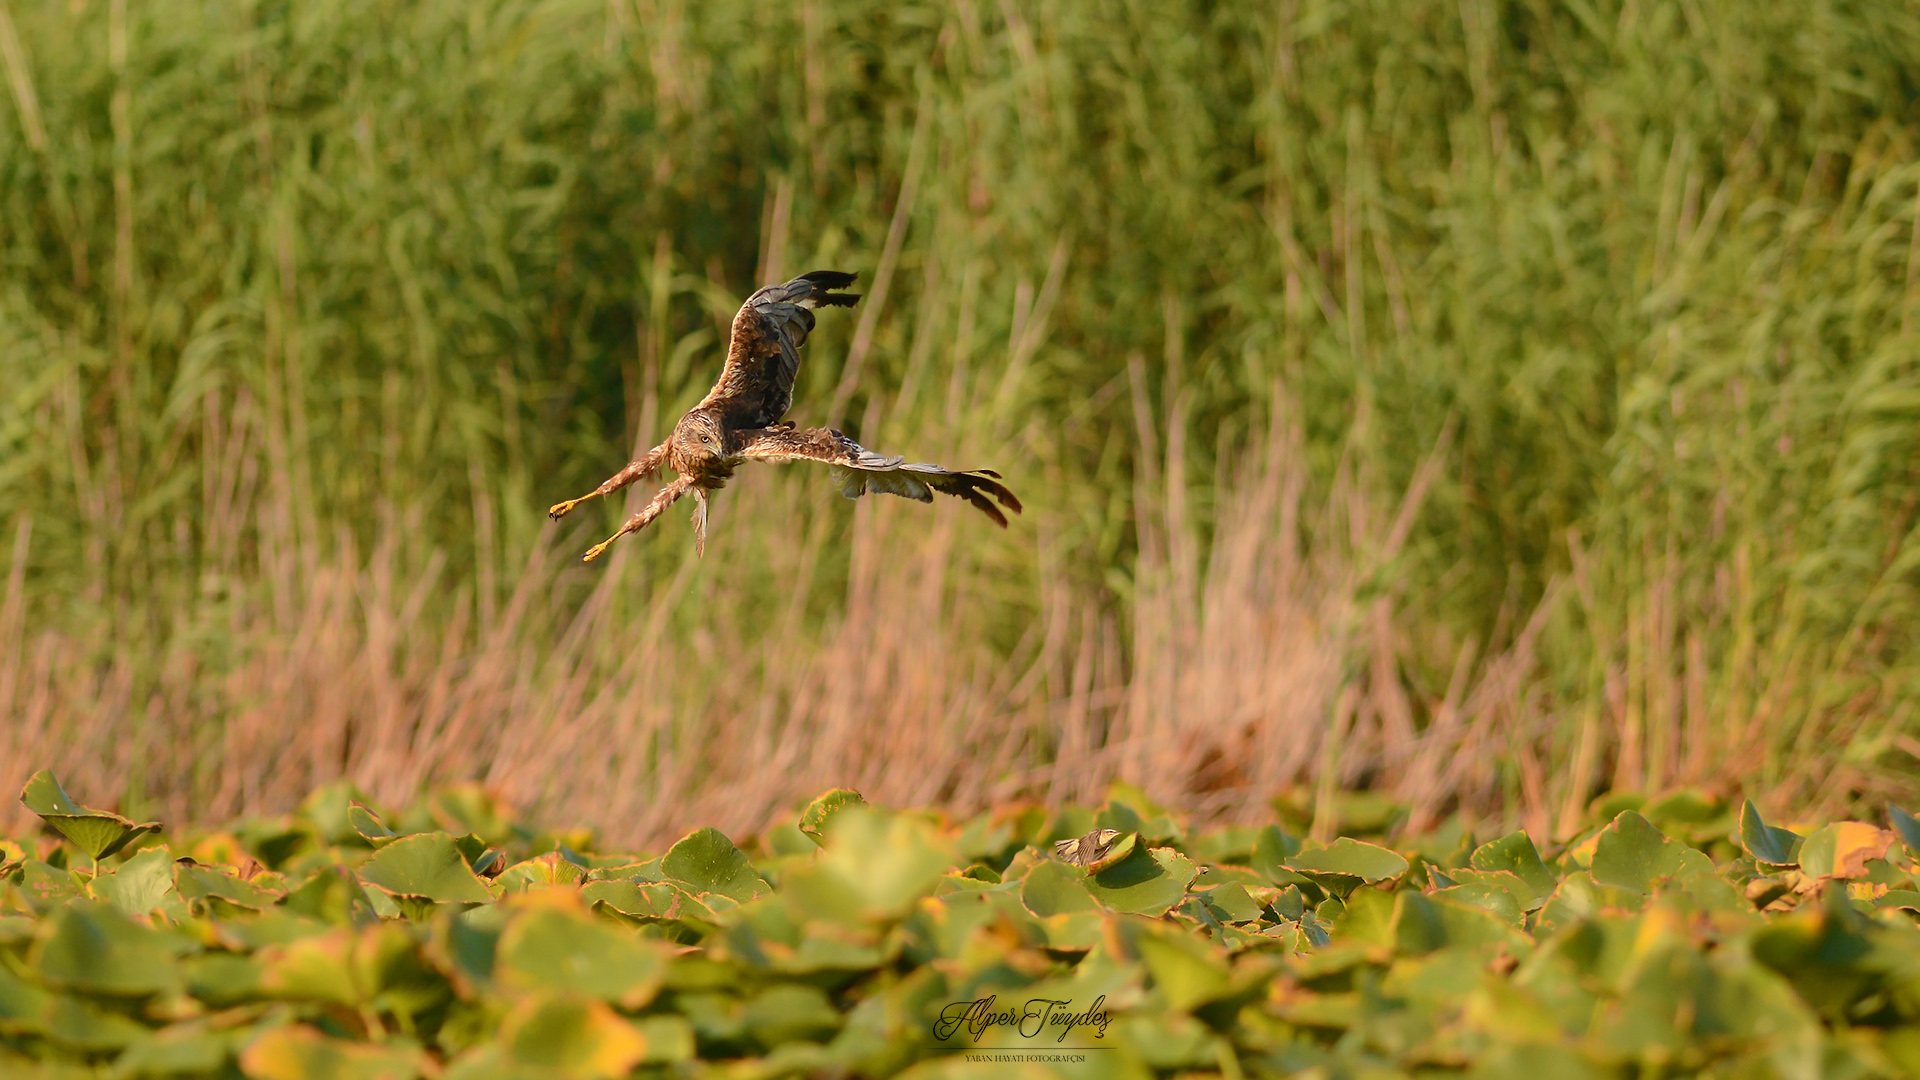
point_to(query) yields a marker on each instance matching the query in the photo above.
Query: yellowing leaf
(298, 1052)
(573, 1038)
(1841, 850)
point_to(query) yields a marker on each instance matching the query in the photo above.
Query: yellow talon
(594, 551)
(559, 510)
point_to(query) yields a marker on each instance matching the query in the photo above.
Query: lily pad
(1148, 882)
(367, 825)
(786, 1013)
(99, 833)
(1768, 845)
(814, 819)
(94, 949)
(1905, 824)
(1050, 888)
(1516, 854)
(1843, 849)
(646, 900)
(1186, 970)
(1632, 854)
(138, 885)
(876, 867)
(709, 863)
(298, 1052)
(426, 866)
(1347, 864)
(221, 892)
(561, 951)
(573, 1038)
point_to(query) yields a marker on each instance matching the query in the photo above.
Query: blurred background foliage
(309, 311)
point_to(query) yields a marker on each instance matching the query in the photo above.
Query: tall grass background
(1485, 404)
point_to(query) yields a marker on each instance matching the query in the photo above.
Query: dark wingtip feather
(1000, 491)
(974, 487)
(819, 282)
(829, 279)
(973, 496)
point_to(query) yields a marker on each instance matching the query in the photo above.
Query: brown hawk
(739, 420)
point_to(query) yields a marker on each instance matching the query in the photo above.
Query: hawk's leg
(662, 499)
(646, 465)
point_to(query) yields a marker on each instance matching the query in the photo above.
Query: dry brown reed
(1261, 659)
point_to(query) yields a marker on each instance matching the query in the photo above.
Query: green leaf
(1272, 847)
(318, 968)
(1687, 806)
(23, 1006)
(221, 892)
(47, 886)
(572, 1038)
(470, 808)
(1186, 970)
(428, 866)
(876, 866)
(669, 1038)
(191, 1050)
(1843, 849)
(1774, 847)
(1905, 824)
(1364, 918)
(1233, 903)
(85, 1025)
(1416, 927)
(368, 826)
(92, 948)
(1497, 891)
(1148, 882)
(223, 979)
(1905, 899)
(138, 885)
(787, 1013)
(563, 951)
(1051, 888)
(1516, 854)
(548, 869)
(815, 818)
(1632, 854)
(99, 833)
(1227, 844)
(1129, 810)
(708, 862)
(298, 1052)
(646, 900)
(332, 895)
(1347, 864)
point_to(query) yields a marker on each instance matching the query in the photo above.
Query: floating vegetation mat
(1675, 937)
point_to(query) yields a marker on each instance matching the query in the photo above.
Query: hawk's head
(698, 442)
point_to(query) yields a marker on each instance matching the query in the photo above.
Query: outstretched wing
(756, 387)
(859, 470)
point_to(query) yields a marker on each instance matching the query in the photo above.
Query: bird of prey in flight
(740, 420)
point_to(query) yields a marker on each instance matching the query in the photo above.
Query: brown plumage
(739, 420)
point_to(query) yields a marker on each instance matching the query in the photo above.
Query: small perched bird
(739, 420)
